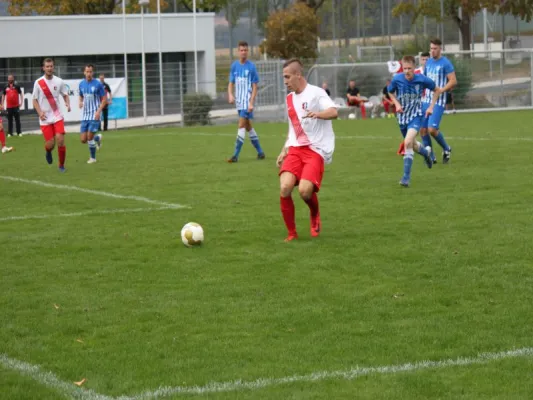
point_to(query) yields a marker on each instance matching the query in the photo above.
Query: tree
(291, 33)
(233, 11)
(74, 7)
(469, 8)
(263, 9)
(312, 4)
(205, 5)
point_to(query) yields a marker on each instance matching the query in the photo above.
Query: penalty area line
(93, 192)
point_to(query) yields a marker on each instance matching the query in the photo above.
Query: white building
(73, 41)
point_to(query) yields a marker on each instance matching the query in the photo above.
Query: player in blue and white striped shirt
(406, 90)
(441, 71)
(243, 79)
(92, 101)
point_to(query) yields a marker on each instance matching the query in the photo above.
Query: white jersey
(313, 132)
(57, 88)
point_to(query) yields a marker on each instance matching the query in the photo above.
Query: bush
(196, 108)
(463, 72)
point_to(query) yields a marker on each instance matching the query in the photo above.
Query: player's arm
(231, 85)
(81, 100)
(110, 100)
(64, 93)
(326, 106)
(103, 102)
(429, 84)
(35, 101)
(452, 82)
(283, 153)
(392, 94)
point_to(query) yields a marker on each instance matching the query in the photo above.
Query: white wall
(103, 34)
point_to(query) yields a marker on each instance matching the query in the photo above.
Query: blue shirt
(243, 76)
(409, 95)
(92, 93)
(438, 71)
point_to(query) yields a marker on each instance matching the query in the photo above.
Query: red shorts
(49, 131)
(304, 163)
(389, 108)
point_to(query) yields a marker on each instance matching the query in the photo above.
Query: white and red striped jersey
(313, 132)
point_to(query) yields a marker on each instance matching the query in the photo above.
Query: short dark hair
(294, 61)
(425, 54)
(89, 66)
(48, 60)
(242, 43)
(436, 41)
(409, 59)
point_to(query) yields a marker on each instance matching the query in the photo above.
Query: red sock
(62, 151)
(287, 210)
(313, 205)
(2, 138)
(363, 110)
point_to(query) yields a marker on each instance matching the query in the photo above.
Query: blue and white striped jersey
(409, 94)
(92, 92)
(243, 76)
(438, 71)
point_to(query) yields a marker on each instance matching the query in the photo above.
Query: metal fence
(491, 79)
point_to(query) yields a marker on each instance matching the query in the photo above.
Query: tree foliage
(76, 7)
(469, 8)
(264, 8)
(291, 33)
(205, 5)
(313, 4)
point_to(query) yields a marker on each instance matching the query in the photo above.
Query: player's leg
(5, 149)
(59, 132)
(289, 174)
(105, 114)
(49, 141)
(309, 186)
(241, 134)
(92, 147)
(424, 135)
(434, 130)
(411, 145)
(253, 137)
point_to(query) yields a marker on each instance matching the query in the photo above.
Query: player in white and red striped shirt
(310, 145)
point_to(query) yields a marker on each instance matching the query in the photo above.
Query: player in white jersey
(243, 78)
(46, 93)
(309, 145)
(93, 99)
(423, 59)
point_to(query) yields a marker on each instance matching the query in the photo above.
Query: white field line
(94, 192)
(84, 213)
(52, 381)
(341, 137)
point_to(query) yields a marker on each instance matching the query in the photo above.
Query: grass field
(96, 284)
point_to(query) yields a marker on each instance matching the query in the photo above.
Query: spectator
(388, 105)
(12, 95)
(325, 87)
(105, 111)
(355, 99)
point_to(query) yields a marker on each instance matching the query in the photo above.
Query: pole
(382, 18)
(143, 63)
(334, 32)
(181, 93)
(485, 35)
(442, 21)
(160, 57)
(388, 22)
(194, 45)
(125, 50)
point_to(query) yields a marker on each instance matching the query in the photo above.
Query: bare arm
(67, 101)
(230, 93)
(2, 102)
(328, 113)
(21, 98)
(254, 94)
(452, 82)
(396, 103)
(103, 103)
(38, 110)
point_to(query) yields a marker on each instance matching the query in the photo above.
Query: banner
(118, 109)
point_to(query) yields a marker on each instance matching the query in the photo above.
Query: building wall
(104, 34)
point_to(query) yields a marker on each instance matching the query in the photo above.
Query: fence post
(531, 74)
(181, 93)
(502, 103)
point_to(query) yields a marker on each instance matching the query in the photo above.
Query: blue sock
(422, 150)
(239, 141)
(97, 139)
(440, 140)
(407, 163)
(255, 141)
(92, 148)
(426, 140)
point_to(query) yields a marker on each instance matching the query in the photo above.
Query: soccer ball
(192, 234)
(351, 116)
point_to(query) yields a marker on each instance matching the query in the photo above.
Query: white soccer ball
(351, 116)
(192, 234)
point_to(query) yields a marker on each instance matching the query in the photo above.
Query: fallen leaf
(79, 340)
(81, 382)
(56, 306)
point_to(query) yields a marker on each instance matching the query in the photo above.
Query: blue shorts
(415, 123)
(89, 126)
(434, 119)
(245, 114)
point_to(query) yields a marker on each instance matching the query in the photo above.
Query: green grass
(440, 270)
